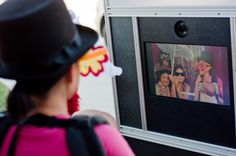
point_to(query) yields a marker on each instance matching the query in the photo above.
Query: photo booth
(177, 93)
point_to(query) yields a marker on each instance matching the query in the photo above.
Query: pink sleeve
(113, 142)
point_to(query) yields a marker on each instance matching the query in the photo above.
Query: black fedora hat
(38, 40)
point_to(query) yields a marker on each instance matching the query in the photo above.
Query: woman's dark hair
(179, 67)
(160, 72)
(20, 103)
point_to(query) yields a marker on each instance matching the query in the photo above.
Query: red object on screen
(73, 104)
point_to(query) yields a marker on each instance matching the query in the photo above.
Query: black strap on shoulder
(81, 137)
(5, 124)
(86, 125)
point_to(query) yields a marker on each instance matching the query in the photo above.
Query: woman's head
(39, 41)
(204, 67)
(205, 63)
(165, 59)
(163, 77)
(40, 45)
(179, 74)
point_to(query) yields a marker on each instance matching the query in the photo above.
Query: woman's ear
(69, 74)
(72, 73)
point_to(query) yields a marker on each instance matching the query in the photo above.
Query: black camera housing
(181, 29)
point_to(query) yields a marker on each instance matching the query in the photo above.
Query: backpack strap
(86, 125)
(5, 124)
(81, 137)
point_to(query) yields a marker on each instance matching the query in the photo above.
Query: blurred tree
(4, 91)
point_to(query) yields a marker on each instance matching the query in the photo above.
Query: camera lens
(181, 29)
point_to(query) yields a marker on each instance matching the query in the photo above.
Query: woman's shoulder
(107, 133)
(113, 142)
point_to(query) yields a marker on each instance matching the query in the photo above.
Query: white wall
(85, 10)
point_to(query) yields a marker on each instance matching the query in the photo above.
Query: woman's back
(47, 141)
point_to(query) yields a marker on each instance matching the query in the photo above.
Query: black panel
(189, 119)
(144, 148)
(202, 31)
(127, 85)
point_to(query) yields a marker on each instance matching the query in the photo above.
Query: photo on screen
(190, 72)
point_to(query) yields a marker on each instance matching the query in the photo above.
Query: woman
(164, 62)
(41, 48)
(206, 86)
(163, 83)
(179, 88)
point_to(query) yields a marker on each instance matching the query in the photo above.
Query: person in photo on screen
(179, 88)
(164, 63)
(163, 83)
(206, 84)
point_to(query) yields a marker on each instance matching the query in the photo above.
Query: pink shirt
(38, 141)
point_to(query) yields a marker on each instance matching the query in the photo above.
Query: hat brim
(88, 37)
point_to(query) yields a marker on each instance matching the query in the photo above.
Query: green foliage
(4, 91)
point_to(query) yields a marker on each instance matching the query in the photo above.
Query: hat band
(68, 51)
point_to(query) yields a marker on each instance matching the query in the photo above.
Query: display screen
(189, 72)
(188, 80)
